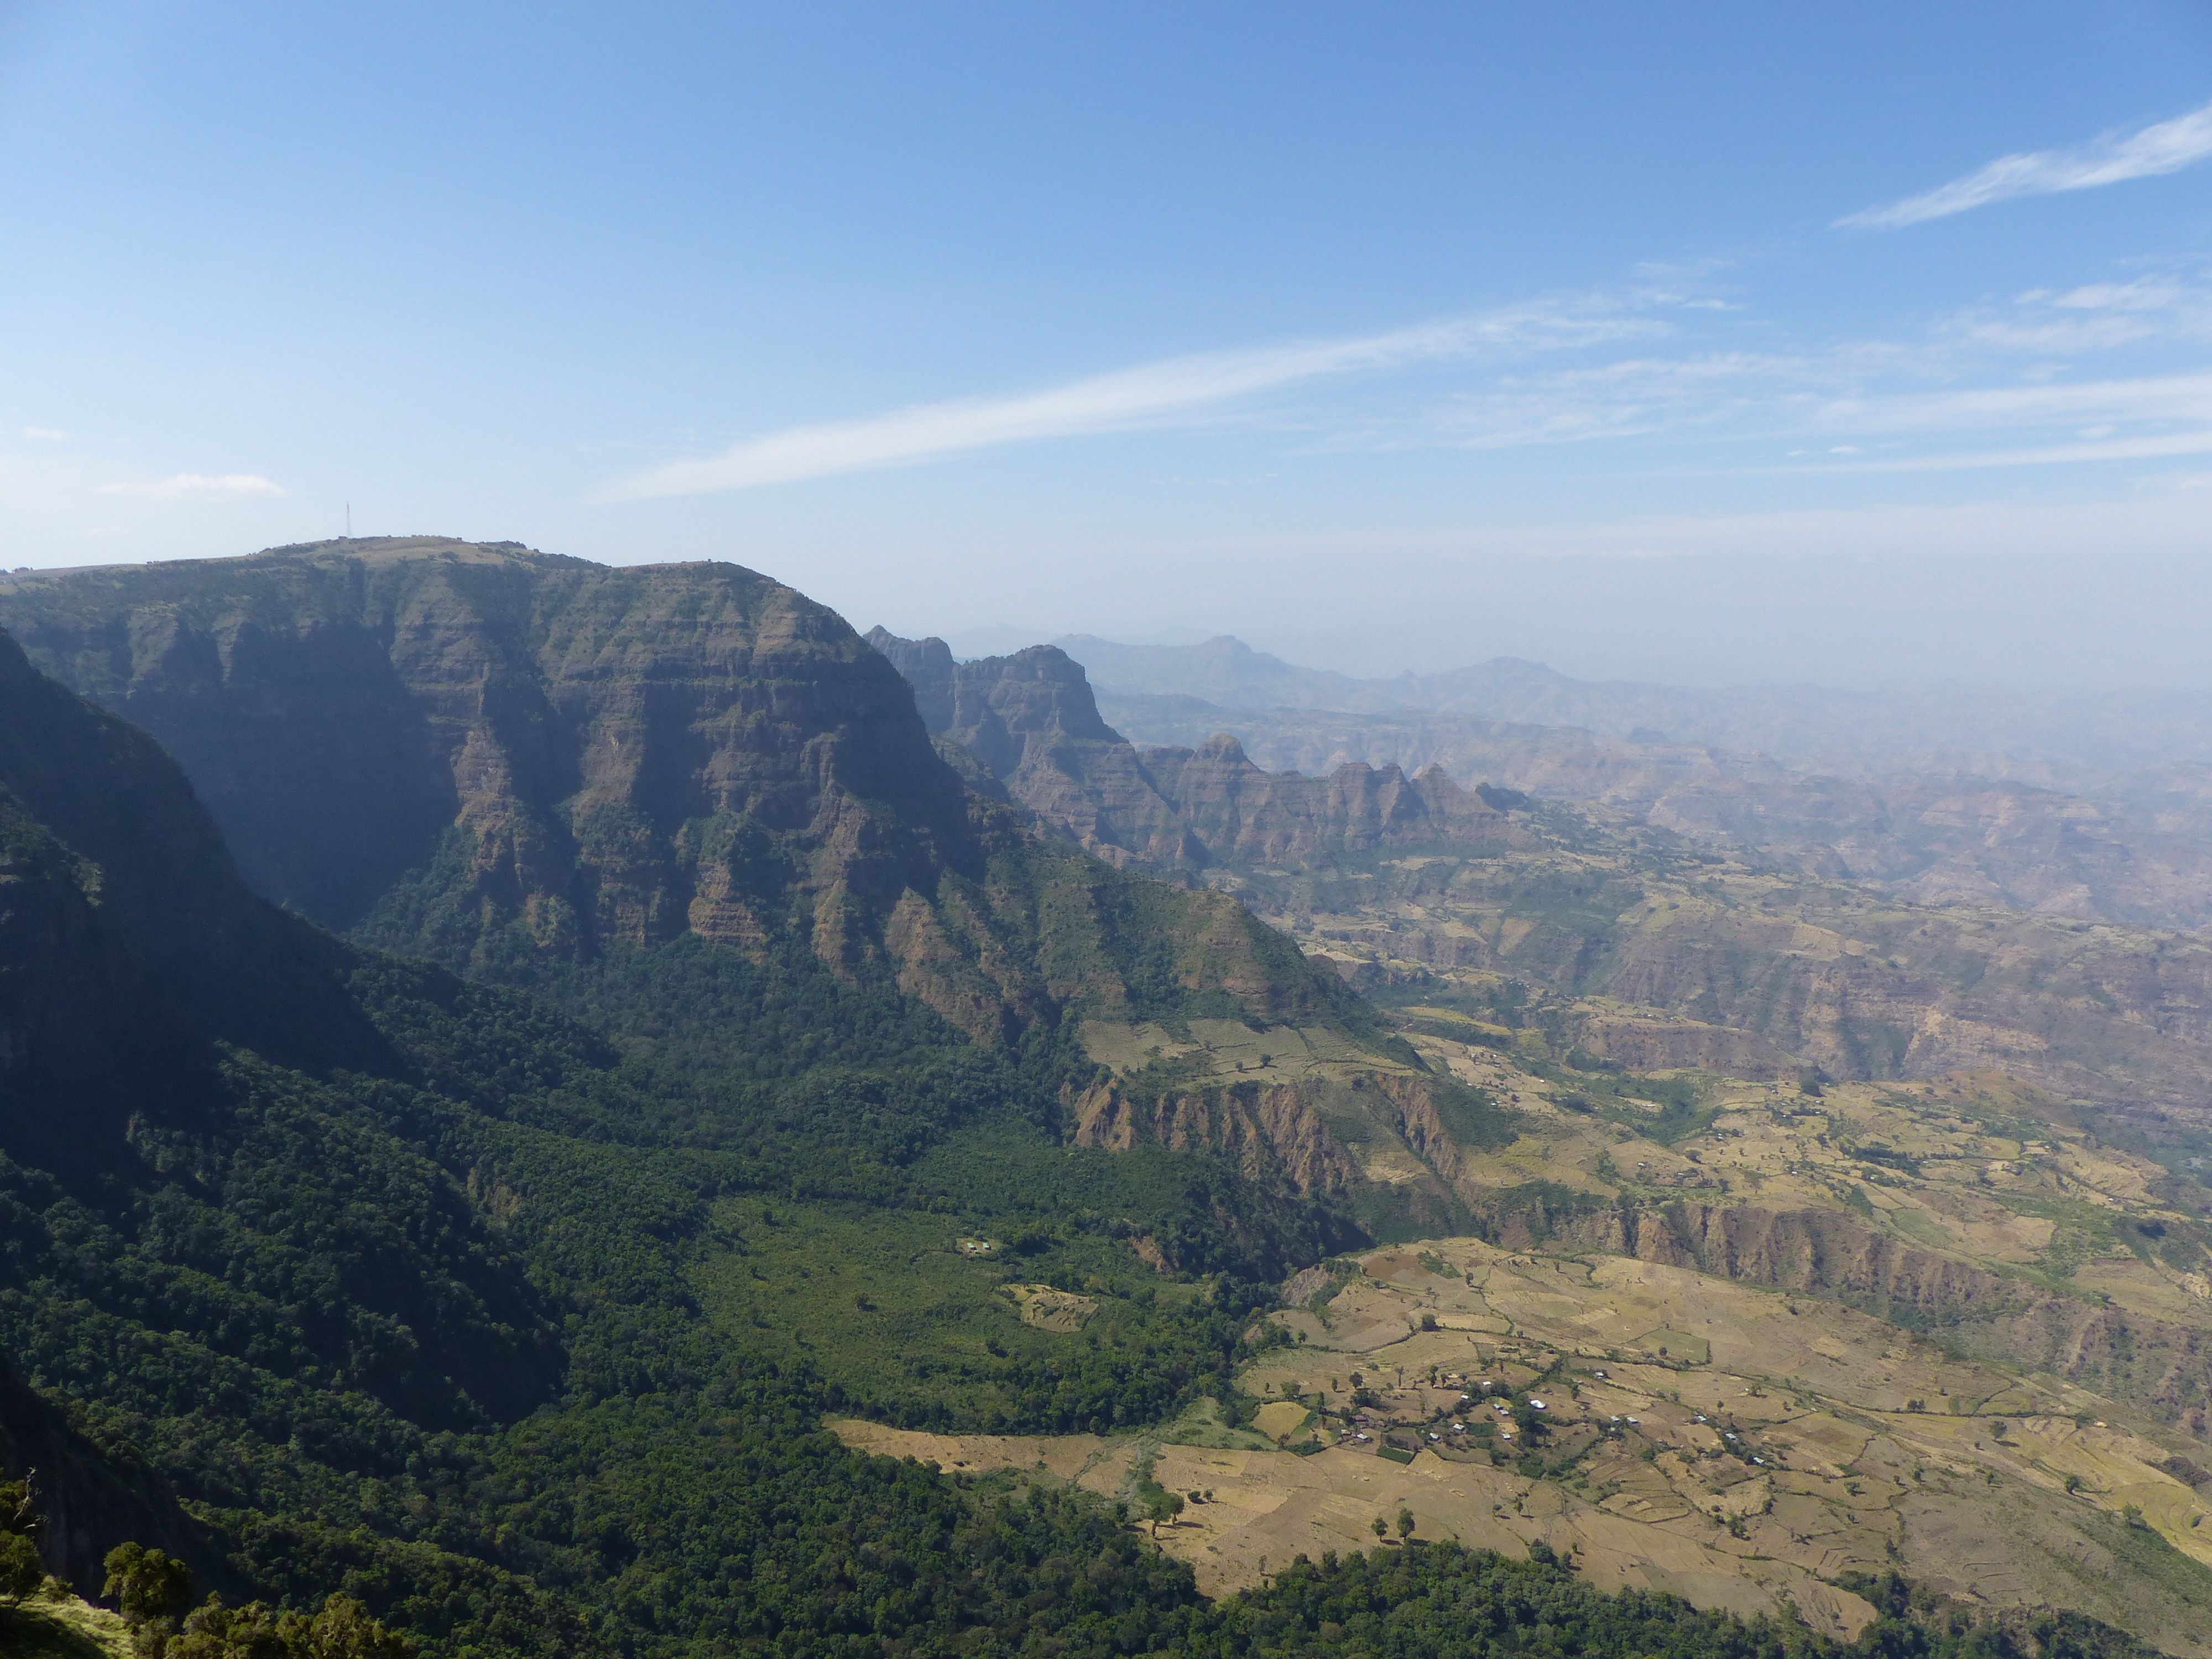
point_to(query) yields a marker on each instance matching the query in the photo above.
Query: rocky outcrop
(1394, 1146)
(1269, 1131)
(1031, 721)
(2165, 1368)
(1243, 815)
(482, 754)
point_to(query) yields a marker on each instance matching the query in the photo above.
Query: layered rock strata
(476, 753)
(1031, 721)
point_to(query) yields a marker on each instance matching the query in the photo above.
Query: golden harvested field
(1777, 1443)
(1049, 1309)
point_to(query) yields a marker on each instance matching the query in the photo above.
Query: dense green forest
(448, 1339)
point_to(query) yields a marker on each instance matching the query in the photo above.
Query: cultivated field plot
(1743, 1447)
(1227, 1048)
(1979, 1168)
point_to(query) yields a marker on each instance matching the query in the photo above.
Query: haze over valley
(1106, 833)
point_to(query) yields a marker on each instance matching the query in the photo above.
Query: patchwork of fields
(1745, 1448)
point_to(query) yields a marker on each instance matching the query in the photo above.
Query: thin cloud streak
(2111, 159)
(2161, 447)
(201, 486)
(1144, 396)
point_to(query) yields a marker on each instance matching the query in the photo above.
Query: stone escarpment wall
(2164, 1367)
(603, 753)
(1032, 720)
(478, 753)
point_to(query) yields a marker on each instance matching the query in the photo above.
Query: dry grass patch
(1049, 1309)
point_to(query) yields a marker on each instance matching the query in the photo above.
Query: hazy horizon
(1709, 622)
(1708, 347)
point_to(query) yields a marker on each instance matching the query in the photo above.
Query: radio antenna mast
(348, 521)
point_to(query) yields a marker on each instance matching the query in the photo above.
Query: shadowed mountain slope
(125, 921)
(497, 758)
(198, 1218)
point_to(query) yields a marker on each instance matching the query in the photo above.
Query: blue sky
(1725, 341)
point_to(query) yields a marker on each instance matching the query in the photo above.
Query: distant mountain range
(2009, 732)
(2092, 807)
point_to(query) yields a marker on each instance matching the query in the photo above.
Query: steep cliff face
(1390, 1145)
(2165, 1368)
(483, 754)
(1031, 719)
(125, 931)
(1244, 815)
(1269, 1131)
(624, 753)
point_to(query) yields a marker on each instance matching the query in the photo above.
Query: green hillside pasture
(903, 1324)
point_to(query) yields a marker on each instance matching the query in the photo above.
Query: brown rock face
(624, 753)
(1308, 1136)
(1244, 815)
(1031, 719)
(1270, 1130)
(2164, 1367)
(472, 751)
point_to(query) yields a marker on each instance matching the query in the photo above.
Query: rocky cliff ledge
(478, 753)
(1032, 720)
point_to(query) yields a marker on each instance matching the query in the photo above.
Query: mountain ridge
(1798, 721)
(1032, 720)
(488, 755)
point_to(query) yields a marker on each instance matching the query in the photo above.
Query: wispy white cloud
(2110, 370)
(2097, 445)
(2147, 398)
(2095, 317)
(1990, 379)
(200, 487)
(2110, 159)
(1149, 395)
(44, 434)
